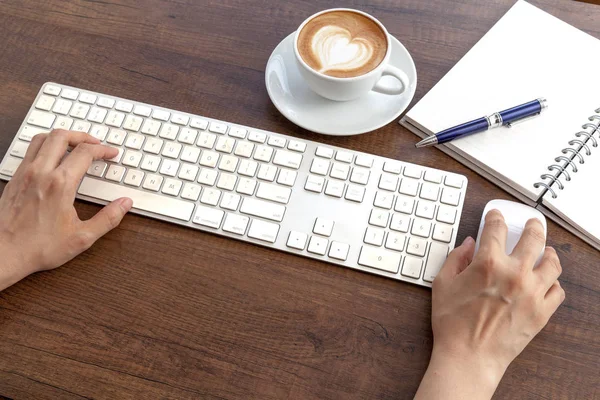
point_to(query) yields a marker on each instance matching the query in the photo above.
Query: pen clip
(511, 124)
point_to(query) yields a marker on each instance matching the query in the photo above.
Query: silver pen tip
(428, 141)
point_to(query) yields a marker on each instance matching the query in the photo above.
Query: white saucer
(294, 99)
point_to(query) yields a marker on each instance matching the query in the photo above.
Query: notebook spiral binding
(571, 155)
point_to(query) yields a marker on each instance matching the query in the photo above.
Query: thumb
(459, 258)
(108, 218)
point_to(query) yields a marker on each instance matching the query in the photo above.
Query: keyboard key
(360, 175)
(70, 94)
(115, 173)
(454, 181)
(404, 205)
(412, 267)
(207, 176)
(339, 251)
(247, 168)
(446, 214)
(277, 193)
(388, 182)
(267, 172)
(319, 166)
(287, 177)
(364, 161)
(355, 193)
(209, 159)
(416, 246)
(287, 159)
(257, 137)
(400, 223)
(314, 184)
(105, 102)
(172, 150)
(151, 127)
(199, 123)
(124, 106)
(323, 227)
(236, 224)
(412, 171)
(409, 186)
(99, 132)
(97, 168)
(262, 209)
(225, 144)
(81, 126)
(28, 132)
(340, 171)
(150, 163)
(161, 115)
(191, 192)
(150, 202)
(230, 201)
(324, 152)
(210, 196)
(142, 110)
(437, 255)
(421, 228)
(442, 232)
(188, 172)
(344, 156)
(295, 145)
(263, 153)
(276, 141)
(433, 176)
(117, 158)
(379, 218)
(62, 107)
(87, 98)
(429, 191)
(207, 216)
(63, 123)
(152, 146)
(392, 167)
(335, 188)
(237, 132)
(9, 166)
(19, 149)
(383, 200)
(169, 167)
(374, 236)
(264, 231)
(395, 241)
(132, 123)
(244, 149)
(97, 115)
(187, 136)
(226, 181)
(115, 119)
(317, 245)
(190, 154)
(168, 131)
(297, 240)
(450, 196)
(218, 127)
(206, 140)
(425, 209)
(153, 182)
(132, 158)
(41, 119)
(246, 186)
(45, 103)
(384, 260)
(52, 90)
(133, 178)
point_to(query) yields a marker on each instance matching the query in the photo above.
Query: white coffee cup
(344, 89)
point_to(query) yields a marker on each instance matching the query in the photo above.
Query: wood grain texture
(159, 311)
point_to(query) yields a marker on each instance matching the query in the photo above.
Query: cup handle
(396, 73)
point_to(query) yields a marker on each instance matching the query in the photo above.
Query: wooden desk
(158, 311)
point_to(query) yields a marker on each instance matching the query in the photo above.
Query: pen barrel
(465, 129)
(520, 112)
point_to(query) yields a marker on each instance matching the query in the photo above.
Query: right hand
(486, 308)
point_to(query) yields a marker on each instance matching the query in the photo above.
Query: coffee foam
(342, 44)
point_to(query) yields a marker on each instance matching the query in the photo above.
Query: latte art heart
(342, 44)
(334, 47)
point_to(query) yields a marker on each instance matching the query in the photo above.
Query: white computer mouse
(515, 215)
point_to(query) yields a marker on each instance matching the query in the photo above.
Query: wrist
(13, 266)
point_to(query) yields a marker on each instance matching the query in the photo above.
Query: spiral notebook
(551, 161)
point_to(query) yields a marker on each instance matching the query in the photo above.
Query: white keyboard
(352, 209)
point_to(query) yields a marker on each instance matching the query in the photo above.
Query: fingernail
(126, 203)
(468, 240)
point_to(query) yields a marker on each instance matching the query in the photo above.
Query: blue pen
(506, 117)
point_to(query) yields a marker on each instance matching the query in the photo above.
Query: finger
(34, 147)
(493, 237)
(55, 146)
(107, 219)
(458, 259)
(554, 298)
(549, 269)
(77, 163)
(531, 243)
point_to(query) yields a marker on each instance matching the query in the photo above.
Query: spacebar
(141, 200)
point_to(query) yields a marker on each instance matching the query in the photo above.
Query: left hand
(39, 227)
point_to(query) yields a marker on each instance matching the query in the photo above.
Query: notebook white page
(528, 54)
